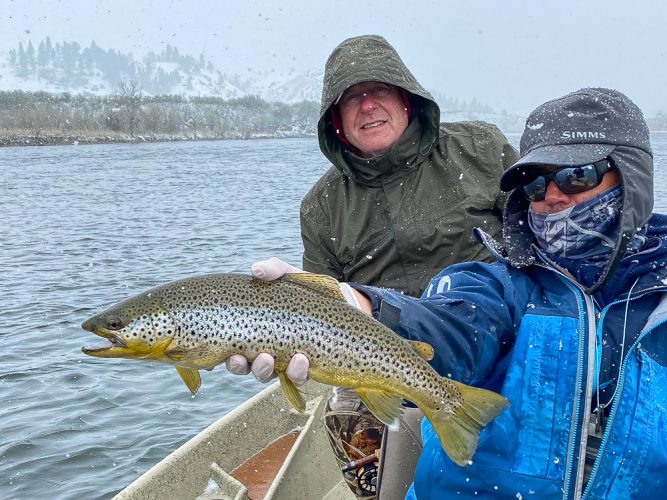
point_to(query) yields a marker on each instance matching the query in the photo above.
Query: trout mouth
(112, 346)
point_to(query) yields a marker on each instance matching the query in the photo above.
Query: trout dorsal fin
(190, 377)
(320, 283)
(423, 349)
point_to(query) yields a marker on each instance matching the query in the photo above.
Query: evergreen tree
(69, 60)
(42, 55)
(48, 47)
(22, 67)
(30, 56)
(87, 59)
(57, 55)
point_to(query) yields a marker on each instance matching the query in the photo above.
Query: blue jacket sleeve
(468, 313)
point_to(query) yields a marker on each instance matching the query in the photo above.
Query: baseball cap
(577, 129)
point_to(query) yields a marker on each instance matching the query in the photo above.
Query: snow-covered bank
(29, 139)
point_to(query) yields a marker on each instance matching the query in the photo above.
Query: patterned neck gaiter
(586, 231)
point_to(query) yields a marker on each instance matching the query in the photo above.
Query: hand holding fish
(263, 365)
(272, 269)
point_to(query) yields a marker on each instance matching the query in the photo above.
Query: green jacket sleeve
(318, 253)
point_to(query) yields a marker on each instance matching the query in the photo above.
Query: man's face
(555, 200)
(373, 117)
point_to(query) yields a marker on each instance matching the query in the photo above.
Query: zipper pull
(600, 420)
(598, 423)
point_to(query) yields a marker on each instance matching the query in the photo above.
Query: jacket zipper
(576, 448)
(586, 305)
(617, 396)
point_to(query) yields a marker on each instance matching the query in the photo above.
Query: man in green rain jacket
(399, 204)
(405, 191)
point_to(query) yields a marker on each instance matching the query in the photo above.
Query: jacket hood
(635, 168)
(371, 58)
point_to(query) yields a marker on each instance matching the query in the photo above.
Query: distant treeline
(28, 118)
(130, 114)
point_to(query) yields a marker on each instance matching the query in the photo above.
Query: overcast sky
(510, 54)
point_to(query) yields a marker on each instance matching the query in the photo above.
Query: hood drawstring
(599, 410)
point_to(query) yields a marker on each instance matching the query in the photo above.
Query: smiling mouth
(373, 125)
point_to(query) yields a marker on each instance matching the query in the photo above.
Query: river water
(82, 227)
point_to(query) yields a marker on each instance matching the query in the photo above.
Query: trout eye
(114, 324)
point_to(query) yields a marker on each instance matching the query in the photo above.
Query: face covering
(586, 231)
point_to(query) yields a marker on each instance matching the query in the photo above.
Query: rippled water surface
(82, 227)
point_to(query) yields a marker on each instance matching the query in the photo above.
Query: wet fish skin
(197, 323)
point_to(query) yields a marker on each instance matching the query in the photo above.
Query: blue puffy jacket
(535, 336)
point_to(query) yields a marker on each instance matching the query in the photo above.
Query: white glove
(272, 269)
(263, 367)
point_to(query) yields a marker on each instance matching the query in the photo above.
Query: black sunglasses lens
(575, 180)
(536, 190)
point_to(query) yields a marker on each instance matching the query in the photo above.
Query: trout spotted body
(197, 323)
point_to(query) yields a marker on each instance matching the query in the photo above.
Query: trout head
(138, 328)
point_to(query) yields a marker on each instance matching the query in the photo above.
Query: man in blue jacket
(570, 323)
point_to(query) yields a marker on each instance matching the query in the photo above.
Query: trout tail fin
(459, 430)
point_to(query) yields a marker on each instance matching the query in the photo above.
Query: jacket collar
(649, 264)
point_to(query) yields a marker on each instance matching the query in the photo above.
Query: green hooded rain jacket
(397, 219)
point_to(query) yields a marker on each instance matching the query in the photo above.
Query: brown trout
(197, 323)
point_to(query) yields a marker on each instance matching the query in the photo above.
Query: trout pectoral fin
(423, 349)
(192, 353)
(320, 283)
(175, 354)
(384, 405)
(292, 394)
(190, 377)
(158, 349)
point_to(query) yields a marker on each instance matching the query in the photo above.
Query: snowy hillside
(291, 87)
(68, 67)
(92, 70)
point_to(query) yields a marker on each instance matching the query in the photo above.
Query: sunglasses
(377, 91)
(570, 180)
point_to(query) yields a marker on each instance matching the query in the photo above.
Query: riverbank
(73, 139)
